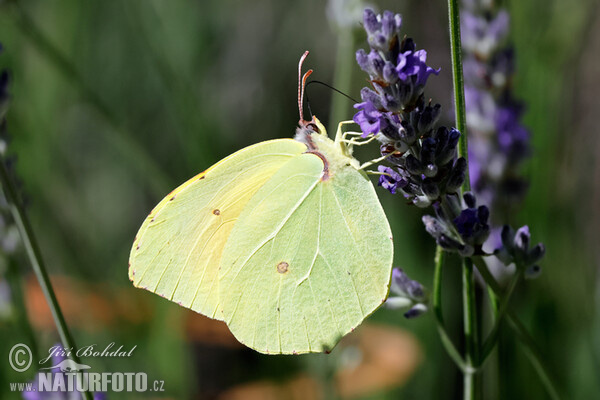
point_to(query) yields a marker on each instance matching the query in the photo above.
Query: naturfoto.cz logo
(66, 375)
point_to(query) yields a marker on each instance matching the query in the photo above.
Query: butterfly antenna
(301, 85)
(330, 87)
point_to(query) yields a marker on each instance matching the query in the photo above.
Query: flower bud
(533, 272)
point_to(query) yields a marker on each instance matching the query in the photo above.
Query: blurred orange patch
(96, 307)
(373, 359)
(388, 357)
(300, 388)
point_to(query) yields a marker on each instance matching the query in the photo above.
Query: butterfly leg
(375, 161)
(339, 132)
(373, 172)
(356, 142)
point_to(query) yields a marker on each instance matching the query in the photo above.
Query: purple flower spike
(466, 219)
(482, 34)
(398, 73)
(426, 168)
(516, 249)
(407, 293)
(381, 29)
(499, 143)
(513, 138)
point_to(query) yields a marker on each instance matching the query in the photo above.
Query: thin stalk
(437, 311)
(469, 302)
(494, 302)
(533, 354)
(492, 338)
(521, 332)
(498, 366)
(458, 84)
(470, 331)
(35, 257)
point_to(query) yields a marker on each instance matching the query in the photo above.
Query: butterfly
(285, 241)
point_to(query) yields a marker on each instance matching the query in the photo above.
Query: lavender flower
(393, 109)
(426, 169)
(399, 79)
(516, 249)
(370, 119)
(457, 226)
(408, 294)
(381, 29)
(426, 174)
(498, 142)
(482, 34)
(390, 179)
(398, 73)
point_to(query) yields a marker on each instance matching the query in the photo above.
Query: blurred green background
(115, 103)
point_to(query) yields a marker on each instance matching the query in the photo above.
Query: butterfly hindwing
(307, 261)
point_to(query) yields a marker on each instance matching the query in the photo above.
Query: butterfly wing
(177, 251)
(307, 261)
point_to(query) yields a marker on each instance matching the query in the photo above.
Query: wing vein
(280, 226)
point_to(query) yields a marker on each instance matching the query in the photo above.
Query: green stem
(121, 139)
(437, 311)
(521, 332)
(35, 257)
(469, 330)
(533, 354)
(494, 302)
(498, 368)
(492, 338)
(342, 78)
(458, 84)
(469, 302)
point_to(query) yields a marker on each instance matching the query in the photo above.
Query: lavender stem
(35, 257)
(469, 302)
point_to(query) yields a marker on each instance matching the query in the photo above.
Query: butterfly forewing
(178, 249)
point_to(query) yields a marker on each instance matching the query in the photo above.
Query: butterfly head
(314, 135)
